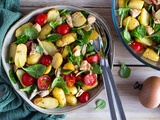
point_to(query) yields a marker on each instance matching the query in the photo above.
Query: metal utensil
(102, 46)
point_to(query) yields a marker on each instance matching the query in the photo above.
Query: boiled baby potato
(136, 4)
(151, 54)
(68, 66)
(46, 29)
(20, 55)
(34, 58)
(19, 74)
(71, 100)
(144, 17)
(52, 15)
(48, 69)
(145, 41)
(66, 39)
(65, 52)
(58, 93)
(94, 35)
(133, 23)
(73, 90)
(49, 47)
(121, 3)
(12, 51)
(157, 14)
(19, 31)
(57, 60)
(78, 19)
(86, 87)
(47, 102)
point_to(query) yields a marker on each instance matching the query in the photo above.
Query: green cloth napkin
(12, 106)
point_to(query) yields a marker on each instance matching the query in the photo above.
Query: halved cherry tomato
(70, 80)
(27, 80)
(137, 46)
(44, 82)
(41, 19)
(63, 29)
(84, 97)
(156, 2)
(46, 60)
(90, 79)
(94, 58)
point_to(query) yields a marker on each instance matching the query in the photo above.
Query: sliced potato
(34, 58)
(121, 3)
(68, 66)
(49, 47)
(94, 35)
(47, 102)
(52, 15)
(12, 51)
(157, 14)
(46, 29)
(136, 4)
(73, 90)
(21, 55)
(133, 22)
(71, 100)
(151, 54)
(58, 93)
(86, 87)
(19, 74)
(65, 52)
(57, 60)
(48, 69)
(145, 41)
(144, 17)
(19, 31)
(78, 19)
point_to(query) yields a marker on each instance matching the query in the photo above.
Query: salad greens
(29, 89)
(139, 32)
(53, 37)
(31, 32)
(13, 76)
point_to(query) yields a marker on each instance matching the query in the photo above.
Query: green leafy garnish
(124, 71)
(31, 32)
(90, 48)
(158, 49)
(29, 89)
(64, 12)
(65, 72)
(96, 68)
(126, 33)
(13, 76)
(39, 49)
(100, 104)
(59, 82)
(35, 70)
(10, 60)
(139, 32)
(78, 84)
(21, 39)
(53, 37)
(54, 24)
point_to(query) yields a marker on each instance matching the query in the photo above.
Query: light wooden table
(129, 97)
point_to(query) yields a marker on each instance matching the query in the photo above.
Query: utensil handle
(109, 94)
(114, 89)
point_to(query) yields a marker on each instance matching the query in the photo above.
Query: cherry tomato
(137, 46)
(79, 77)
(70, 80)
(94, 58)
(46, 60)
(44, 82)
(84, 97)
(41, 19)
(29, 44)
(27, 80)
(156, 2)
(90, 79)
(63, 29)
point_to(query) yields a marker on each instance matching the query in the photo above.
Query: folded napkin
(12, 106)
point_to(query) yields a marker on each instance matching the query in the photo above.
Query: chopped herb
(53, 37)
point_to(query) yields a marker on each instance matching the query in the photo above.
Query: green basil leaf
(31, 32)
(100, 104)
(139, 32)
(35, 70)
(53, 37)
(90, 48)
(65, 72)
(21, 39)
(13, 76)
(124, 71)
(59, 82)
(39, 49)
(29, 89)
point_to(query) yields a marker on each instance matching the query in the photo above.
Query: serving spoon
(102, 46)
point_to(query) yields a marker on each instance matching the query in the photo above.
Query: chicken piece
(40, 43)
(79, 93)
(85, 65)
(77, 51)
(84, 49)
(91, 19)
(43, 93)
(135, 12)
(69, 21)
(157, 21)
(37, 26)
(76, 69)
(58, 72)
(149, 30)
(87, 27)
(59, 19)
(33, 48)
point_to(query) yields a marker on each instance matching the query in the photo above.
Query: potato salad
(140, 21)
(53, 59)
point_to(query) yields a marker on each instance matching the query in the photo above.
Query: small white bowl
(10, 38)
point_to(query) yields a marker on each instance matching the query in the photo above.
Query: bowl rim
(22, 21)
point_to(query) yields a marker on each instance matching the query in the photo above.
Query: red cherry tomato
(44, 82)
(63, 29)
(70, 80)
(156, 2)
(41, 19)
(90, 79)
(137, 46)
(27, 80)
(46, 60)
(93, 59)
(29, 44)
(84, 97)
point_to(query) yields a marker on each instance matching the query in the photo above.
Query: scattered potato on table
(47, 102)
(57, 60)
(71, 100)
(52, 15)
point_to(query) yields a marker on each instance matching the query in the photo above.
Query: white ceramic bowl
(10, 37)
